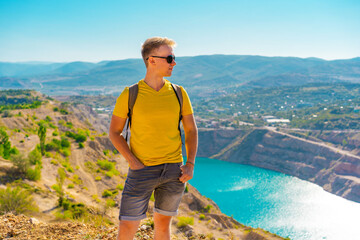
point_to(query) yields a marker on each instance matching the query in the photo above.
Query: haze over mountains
(199, 74)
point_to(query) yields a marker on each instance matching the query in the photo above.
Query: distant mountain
(73, 67)
(26, 69)
(206, 72)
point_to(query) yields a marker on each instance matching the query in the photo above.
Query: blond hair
(154, 43)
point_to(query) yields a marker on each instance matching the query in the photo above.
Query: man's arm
(115, 133)
(191, 142)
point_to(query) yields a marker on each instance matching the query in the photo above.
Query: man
(154, 157)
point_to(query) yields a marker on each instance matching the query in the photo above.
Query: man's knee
(128, 225)
(162, 221)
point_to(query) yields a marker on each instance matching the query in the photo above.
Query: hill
(80, 177)
(201, 75)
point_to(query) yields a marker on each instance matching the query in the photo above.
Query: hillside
(80, 177)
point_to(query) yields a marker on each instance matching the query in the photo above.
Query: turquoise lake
(282, 204)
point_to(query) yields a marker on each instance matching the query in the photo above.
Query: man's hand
(136, 165)
(187, 172)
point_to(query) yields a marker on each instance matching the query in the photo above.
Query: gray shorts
(163, 180)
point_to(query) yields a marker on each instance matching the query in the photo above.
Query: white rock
(34, 221)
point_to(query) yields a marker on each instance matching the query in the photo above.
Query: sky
(97, 30)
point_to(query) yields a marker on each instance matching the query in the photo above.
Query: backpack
(133, 91)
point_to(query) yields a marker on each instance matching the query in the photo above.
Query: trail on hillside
(344, 152)
(77, 157)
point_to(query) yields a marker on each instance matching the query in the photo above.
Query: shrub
(208, 208)
(81, 145)
(54, 162)
(6, 114)
(109, 174)
(80, 138)
(63, 111)
(54, 145)
(55, 133)
(184, 221)
(97, 178)
(65, 143)
(110, 203)
(65, 152)
(109, 193)
(201, 216)
(120, 187)
(21, 164)
(34, 174)
(106, 152)
(71, 185)
(76, 136)
(16, 200)
(55, 109)
(47, 154)
(105, 164)
(35, 157)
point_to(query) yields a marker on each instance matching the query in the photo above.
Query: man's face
(162, 67)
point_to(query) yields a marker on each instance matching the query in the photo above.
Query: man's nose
(173, 63)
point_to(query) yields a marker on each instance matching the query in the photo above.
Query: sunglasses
(169, 58)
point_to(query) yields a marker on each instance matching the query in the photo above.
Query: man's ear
(151, 61)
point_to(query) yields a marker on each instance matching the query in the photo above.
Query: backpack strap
(133, 92)
(178, 93)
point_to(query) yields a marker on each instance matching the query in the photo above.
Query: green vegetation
(201, 216)
(16, 200)
(105, 164)
(208, 208)
(184, 221)
(17, 99)
(5, 146)
(109, 167)
(42, 136)
(110, 193)
(78, 137)
(35, 156)
(72, 210)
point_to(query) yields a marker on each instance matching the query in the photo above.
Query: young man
(154, 157)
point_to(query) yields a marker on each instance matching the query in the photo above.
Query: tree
(60, 182)
(5, 145)
(42, 136)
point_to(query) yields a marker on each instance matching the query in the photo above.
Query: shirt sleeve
(121, 107)
(186, 108)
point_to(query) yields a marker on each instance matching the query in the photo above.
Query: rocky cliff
(336, 170)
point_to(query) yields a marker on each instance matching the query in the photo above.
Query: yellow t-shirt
(155, 138)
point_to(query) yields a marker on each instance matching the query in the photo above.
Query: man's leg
(127, 229)
(162, 226)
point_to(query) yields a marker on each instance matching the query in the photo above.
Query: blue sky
(94, 30)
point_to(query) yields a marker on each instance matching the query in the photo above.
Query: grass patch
(185, 221)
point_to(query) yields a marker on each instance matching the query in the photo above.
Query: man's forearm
(121, 145)
(191, 143)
